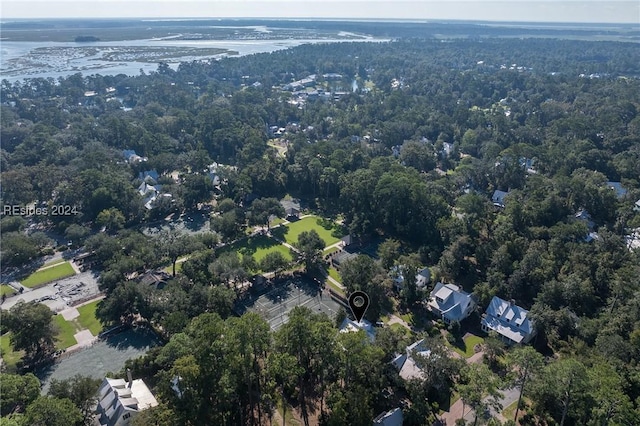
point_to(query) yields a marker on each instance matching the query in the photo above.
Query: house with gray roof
(498, 198)
(509, 320)
(405, 363)
(450, 303)
(120, 401)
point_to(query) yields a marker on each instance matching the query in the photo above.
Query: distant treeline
(84, 39)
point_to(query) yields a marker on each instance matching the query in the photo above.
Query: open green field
(6, 290)
(291, 231)
(87, 318)
(62, 270)
(66, 330)
(468, 344)
(9, 356)
(258, 247)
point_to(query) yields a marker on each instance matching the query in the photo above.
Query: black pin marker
(359, 302)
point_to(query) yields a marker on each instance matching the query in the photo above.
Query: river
(20, 60)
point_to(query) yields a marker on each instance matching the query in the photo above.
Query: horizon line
(318, 19)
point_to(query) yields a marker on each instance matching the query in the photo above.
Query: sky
(582, 11)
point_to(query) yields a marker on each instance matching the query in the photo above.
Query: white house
(498, 198)
(637, 206)
(389, 418)
(509, 320)
(350, 326)
(422, 277)
(450, 303)
(120, 401)
(406, 364)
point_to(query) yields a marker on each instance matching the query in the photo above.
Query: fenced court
(274, 302)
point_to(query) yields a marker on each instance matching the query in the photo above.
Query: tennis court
(274, 302)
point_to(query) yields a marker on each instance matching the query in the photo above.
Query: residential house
(636, 207)
(131, 157)
(156, 279)
(212, 172)
(291, 209)
(422, 277)
(584, 216)
(498, 198)
(450, 303)
(510, 321)
(633, 239)
(340, 257)
(350, 326)
(389, 418)
(149, 176)
(119, 401)
(405, 363)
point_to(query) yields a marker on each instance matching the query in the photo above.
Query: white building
(509, 320)
(389, 418)
(450, 303)
(422, 277)
(120, 401)
(350, 326)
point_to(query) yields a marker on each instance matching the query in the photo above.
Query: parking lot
(60, 294)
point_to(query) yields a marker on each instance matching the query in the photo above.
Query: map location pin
(358, 302)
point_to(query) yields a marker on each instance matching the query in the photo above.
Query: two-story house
(509, 320)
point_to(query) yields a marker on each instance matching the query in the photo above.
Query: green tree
(283, 369)
(262, 209)
(310, 245)
(18, 249)
(47, 411)
(388, 252)
(112, 219)
(525, 362)
(478, 388)
(606, 387)
(31, 328)
(81, 390)
(160, 415)
(273, 261)
(562, 386)
(17, 392)
(173, 245)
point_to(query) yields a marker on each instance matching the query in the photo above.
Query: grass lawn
(290, 232)
(333, 273)
(336, 288)
(510, 410)
(62, 270)
(169, 269)
(6, 290)
(9, 356)
(66, 330)
(275, 222)
(87, 318)
(401, 328)
(258, 247)
(469, 343)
